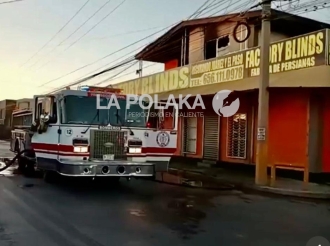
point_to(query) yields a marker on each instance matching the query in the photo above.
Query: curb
(269, 189)
(291, 193)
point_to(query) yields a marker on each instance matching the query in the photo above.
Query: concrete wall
(196, 45)
(274, 37)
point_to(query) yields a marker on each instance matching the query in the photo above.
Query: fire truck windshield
(82, 110)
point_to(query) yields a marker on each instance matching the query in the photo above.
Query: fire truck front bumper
(117, 168)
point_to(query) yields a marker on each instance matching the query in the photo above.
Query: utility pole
(139, 71)
(263, 105)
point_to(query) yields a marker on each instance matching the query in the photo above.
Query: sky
(28, 25)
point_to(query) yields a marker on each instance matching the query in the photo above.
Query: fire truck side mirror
(44, 118)
(47, 119)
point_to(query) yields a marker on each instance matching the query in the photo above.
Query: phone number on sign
(224, 75)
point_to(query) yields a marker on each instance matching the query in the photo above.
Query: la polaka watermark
(163, 114)
(152, 102)
(225, 103)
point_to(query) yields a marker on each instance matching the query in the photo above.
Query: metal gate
(211, 137)
(189, 135)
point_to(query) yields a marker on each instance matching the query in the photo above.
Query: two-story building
(201, 57)
(6, 109)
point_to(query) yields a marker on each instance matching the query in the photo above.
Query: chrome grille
(99, 139)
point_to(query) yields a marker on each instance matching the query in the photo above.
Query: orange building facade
(298, 130)
(299, 101)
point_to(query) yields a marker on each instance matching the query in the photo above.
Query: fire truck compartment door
(46, 144)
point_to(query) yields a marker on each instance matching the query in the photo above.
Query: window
(211, 49)
(54, 110)
(39, 109)
(135, 116)
(27, 120)
(222, 46)
(90, 114)
(1, 114)
(216, 47)
(236, 136)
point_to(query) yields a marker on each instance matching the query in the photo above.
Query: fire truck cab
(71, 136)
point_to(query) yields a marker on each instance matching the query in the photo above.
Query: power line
(121, 3)
(14, 1)
(192, 50)
(78, 69)
(102, 72)
(99, 9)
(102, 58)
(121, 63)
(150, 43)
(130, 57)
(105, 38)
(196, 12)
(113, 76)
(125, 33)
(214, 5)
(167, 45)
(129, 73)
(74, 83)
(57, 32)
(123, 75)
(72, 44)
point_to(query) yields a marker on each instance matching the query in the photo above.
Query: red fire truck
(70, 136)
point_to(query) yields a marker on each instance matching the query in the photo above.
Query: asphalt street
(94, 213)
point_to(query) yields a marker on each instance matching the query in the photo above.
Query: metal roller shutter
(211, 137)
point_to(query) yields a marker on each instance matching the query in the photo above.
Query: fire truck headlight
(80, 149)
(135, 150)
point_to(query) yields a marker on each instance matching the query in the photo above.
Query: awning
(308, 77)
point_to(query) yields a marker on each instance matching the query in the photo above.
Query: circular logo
(163, 139)
(318, 241)
(68, 132)
(225, 103)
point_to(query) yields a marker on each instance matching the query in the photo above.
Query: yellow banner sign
(170, 80)
(224, 69)
(286, 55)
(290, 54)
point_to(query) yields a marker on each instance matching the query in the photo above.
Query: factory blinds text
(293, 54)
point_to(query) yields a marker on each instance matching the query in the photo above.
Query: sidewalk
(223, 179)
